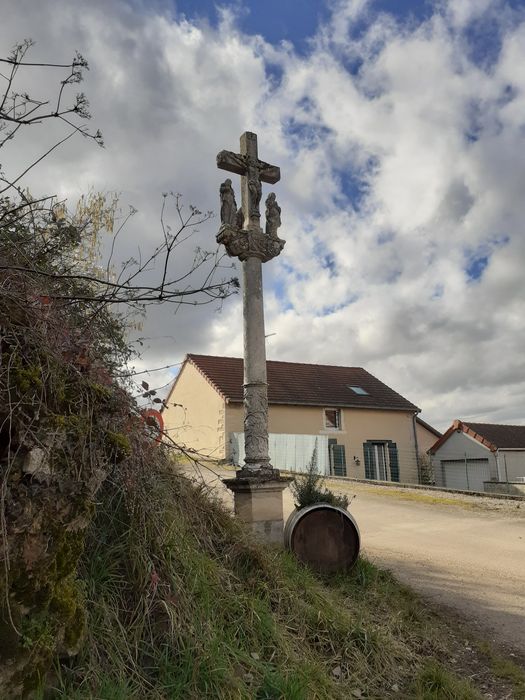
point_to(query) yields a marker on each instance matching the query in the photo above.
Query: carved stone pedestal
(259, 503)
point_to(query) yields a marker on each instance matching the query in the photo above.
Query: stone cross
(253, 171)
(244, 238)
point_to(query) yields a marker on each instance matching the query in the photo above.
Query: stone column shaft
(255, 383)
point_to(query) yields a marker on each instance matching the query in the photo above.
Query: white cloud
(434, 141)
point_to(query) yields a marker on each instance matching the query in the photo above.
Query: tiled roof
(493, 435)
(295, 383)
(500, 435)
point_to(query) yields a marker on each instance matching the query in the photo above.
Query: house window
(332, 418)
(381, 460)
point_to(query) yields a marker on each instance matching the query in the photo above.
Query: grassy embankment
(183, 604)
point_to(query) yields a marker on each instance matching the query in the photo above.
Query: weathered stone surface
(273, 216)
(253, 247)
(253, 172)
(259, 503)
(228, 204)
(244, 244)
(36, 462)
(257, 488)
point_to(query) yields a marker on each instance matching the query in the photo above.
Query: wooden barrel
(324, 537)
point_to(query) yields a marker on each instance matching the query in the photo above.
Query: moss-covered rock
(53, 473)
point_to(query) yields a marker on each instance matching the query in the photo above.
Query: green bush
(309, 488)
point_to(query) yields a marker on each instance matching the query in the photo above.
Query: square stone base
(259, 503)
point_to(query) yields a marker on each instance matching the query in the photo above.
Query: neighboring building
(468, 455)
(360, 427)
(426, 435)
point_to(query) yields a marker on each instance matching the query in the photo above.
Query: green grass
(504, 667)
(434, 682)
(408, 495)
(182, 603)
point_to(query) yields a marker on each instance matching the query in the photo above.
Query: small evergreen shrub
(309, 488)
(426, 470)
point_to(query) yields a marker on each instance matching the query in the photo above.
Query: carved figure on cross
(252, 171)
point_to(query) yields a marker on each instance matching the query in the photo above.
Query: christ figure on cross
(253, 171)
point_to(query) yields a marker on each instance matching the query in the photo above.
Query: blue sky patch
(484, 41)
(385, 237)
(405, 10)
(274, 73)
(353, 185)
(328, 263)
(326, 258)
(499, 240)
(298, 23)
(304, 135)
(352, 64)
(474, 121)
(479, 259)
(279, 289)
(334, 308)
(476, 267)
(274, 20)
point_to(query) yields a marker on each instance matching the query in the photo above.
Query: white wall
(289, 452)
(514, 460)
(460, 445)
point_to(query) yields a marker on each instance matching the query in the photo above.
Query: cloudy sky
(400, 134)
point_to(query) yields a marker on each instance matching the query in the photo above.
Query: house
(426, 435)
(471, 455)
(356, 425)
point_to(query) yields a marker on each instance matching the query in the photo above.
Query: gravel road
(467, 554)
(469, 557)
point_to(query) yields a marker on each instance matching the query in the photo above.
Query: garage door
(466, 475)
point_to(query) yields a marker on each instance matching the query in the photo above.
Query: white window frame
(330, 428)
(382, 447)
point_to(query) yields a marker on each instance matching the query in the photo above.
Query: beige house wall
(357, 426)
(425, 438)
(198, 422)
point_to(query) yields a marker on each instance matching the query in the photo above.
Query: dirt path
(470, 557)
(465, 553)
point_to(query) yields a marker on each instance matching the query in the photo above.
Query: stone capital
(244, 244)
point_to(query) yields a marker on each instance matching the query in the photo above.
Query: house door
(337, 458)
(381, 460)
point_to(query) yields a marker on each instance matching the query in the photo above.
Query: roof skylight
(359, 390)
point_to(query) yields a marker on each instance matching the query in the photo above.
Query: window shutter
(367, 451)
(394, 461)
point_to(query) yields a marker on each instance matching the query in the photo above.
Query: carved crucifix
(252, 171)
